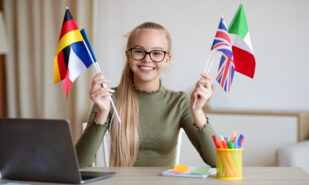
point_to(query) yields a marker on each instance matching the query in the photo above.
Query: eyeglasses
(155, 55)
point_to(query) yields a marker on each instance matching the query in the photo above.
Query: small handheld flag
(223, 44)
(244, 59)
(69, 34)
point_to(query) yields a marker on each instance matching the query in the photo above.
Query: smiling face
(145, 70)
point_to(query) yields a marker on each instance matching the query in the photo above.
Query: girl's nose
(147, 58)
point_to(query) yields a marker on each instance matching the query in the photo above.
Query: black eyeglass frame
(148, 53)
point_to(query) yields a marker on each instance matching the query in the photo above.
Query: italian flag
(242, 48)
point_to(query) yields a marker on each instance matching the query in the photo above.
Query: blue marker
(238, 141)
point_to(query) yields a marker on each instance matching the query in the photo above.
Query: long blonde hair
(124, 136)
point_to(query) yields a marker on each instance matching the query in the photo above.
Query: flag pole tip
(67, 7)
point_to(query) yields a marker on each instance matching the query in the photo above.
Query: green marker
(230, 144)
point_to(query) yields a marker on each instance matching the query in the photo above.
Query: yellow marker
(233, 136)
(180, 168)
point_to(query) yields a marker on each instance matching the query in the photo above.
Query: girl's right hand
(100, 96)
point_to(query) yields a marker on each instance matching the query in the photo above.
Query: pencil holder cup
(229, 164)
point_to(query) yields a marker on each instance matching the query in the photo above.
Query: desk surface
(152, 175)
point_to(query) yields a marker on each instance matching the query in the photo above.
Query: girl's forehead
(150, 38)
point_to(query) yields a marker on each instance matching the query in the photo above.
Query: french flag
(79, 61)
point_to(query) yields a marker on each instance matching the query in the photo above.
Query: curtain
(33, 31)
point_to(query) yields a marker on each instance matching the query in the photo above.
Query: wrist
(100, 118)
(197, 113)
(204, 125)
(200, 119)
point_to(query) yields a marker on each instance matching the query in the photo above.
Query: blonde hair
(124, 136)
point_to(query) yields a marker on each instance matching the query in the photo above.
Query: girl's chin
(146, 79)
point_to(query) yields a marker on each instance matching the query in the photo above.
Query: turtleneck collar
(148, 93)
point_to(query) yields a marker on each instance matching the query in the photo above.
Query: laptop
(41, 150)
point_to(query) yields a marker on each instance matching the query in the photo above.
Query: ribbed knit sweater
(161, 114)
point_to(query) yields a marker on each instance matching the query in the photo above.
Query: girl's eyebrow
(154, 48)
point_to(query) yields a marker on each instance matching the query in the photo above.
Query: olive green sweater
(161, 114)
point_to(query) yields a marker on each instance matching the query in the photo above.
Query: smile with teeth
(146, 68)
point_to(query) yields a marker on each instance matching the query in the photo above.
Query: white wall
(279, 33)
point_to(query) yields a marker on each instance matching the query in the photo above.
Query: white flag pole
(210, 65)
(97, 67)
(206, 70)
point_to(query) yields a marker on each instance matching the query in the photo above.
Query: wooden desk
(149, 176)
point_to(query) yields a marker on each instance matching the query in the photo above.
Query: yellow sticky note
(180, 168)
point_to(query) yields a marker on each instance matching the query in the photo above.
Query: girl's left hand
(202, 91)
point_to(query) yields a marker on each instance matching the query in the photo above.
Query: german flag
(69, 34)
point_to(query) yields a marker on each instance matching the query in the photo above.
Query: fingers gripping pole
(206, 70)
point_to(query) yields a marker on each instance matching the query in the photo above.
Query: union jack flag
(222, 40)
(226, 68)
(225, 72)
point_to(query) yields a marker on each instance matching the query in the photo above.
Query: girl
(151, 115)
